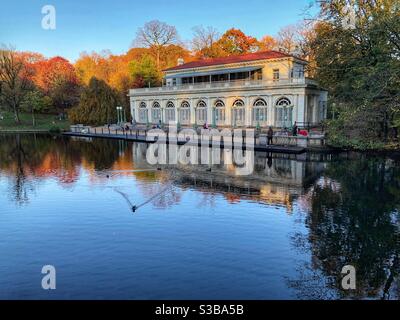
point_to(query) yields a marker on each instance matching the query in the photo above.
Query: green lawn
(44, 122)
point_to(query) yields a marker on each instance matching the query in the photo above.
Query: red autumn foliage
(52, 72)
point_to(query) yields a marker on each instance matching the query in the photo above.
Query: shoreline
(324, 149)
(26, 131)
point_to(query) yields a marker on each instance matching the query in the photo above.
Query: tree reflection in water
(353, 219)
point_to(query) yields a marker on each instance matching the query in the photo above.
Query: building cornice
(260, 63)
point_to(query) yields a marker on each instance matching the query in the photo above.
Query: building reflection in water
(277, 179)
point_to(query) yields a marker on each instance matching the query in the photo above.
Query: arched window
(156, 112)
(239, 113)
(185, 104)
(201, 104)
(260, 113)
(220, 112)
(201, 112)
(284, 113)
(283, 102)
(143, 112)
(260, 103)
(184, 113)
(238, 104)
(170, 112)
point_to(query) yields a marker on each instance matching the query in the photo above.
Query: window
(260, 113)
(156, 113)
(284, 113)
(275, 75)
(239, 113)
(219, 112)
(256, 75)
(143, 113)
(170, 112)
(201, 112)
(184, 113)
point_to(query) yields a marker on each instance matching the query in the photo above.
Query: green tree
(357, 56)
(97, 104)
(144, 72)
(36, 102)
(14, 80)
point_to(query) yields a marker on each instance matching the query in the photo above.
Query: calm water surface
(285, 232)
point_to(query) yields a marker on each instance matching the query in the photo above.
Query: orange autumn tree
(93, 64)
(57, 79)
(268, 43)
(235, 42)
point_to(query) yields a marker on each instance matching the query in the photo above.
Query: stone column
(176, 112)
(163, 120)
(248, 116)
(271, 111)
(149, 113)
(295, 108)
(192, 112)
(133, 109)
(209, 112)
(301, 108)
(315, 109)
(228, 112)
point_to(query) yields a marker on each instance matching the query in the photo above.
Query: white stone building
(253, 90)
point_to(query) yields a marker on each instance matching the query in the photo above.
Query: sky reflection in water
(283, 233)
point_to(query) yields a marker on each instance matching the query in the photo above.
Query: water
(285, 232)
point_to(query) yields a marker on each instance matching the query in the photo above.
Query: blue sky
(89, 25)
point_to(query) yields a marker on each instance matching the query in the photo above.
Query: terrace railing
(226, 84)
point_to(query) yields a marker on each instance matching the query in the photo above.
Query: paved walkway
(140, 135)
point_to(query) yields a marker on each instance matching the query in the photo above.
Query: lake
(283, 232)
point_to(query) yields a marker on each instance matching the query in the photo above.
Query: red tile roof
(265, 55)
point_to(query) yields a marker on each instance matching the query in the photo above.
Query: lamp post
(120, 116)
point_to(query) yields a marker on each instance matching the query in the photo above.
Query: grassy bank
(43, 122)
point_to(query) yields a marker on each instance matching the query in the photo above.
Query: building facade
(253, 90)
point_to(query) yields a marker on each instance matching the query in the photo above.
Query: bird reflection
(126, 197)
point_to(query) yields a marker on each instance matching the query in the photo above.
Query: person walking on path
(295, 129)
(270, 135)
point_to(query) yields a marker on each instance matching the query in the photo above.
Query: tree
(94, 64)
(359, 63)
(144, 72)
(156, 35)
(97, 104)
(287, 39)
(170, 55)
(204, 42)
(36, 102)
(14, 80)
(235, 42)
(268, 43)
(57, 78)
